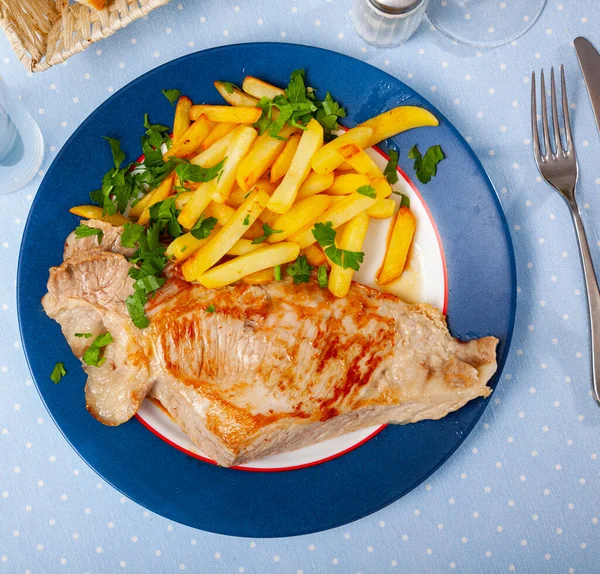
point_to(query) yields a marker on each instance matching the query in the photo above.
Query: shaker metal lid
(396, 6)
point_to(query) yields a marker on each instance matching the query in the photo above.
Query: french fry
(351, 238)
(315, 256)
(234, 96)
(243, 246)
(221, 242)
(298, 217)
(221, 212)
(260, 158)
(195, 206)
(217, 131)
(183, 198)
(268, 217)
(284, 160)
(260, 277)
(327, 159)
(95, 212)
(315, 183)
(215, 153)
(229, 114)
(398, 246)
(236, 151)
(237, 196)
(260, 89)
(360, 160)
(382, 187)
(397, 120)
(255, 230)
(184, 246)
(234, 269)
(159, 194)
(191, 139)
(344, 210)
(383, 209)
(310, 141)
(182, 117)
(347, 183)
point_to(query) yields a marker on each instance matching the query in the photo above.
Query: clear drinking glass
(21, 143)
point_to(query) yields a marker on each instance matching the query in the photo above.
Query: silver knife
(589, 60)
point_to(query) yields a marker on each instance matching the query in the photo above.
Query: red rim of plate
(147, 425)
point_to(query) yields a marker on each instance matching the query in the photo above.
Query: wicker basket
(47, 32)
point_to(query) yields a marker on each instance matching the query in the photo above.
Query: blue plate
(482, 293)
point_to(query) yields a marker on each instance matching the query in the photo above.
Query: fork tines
(553, 146)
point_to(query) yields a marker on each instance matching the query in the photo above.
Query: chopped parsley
(267, 231)
(246, 219)
(203, 227)
(85, 231)
(405, 202)
(297, 108)
(300, 270)
(210, 309)
(58, 372)
(171, 95)
(367, 190)
(277, 272)
(189, 172)
(83, 335)
(426, 166)
(229, 87)
(322, 276)
(325, 236)
(391, 169)
(131, 234)
(92, 354)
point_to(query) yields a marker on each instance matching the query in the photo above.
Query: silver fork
(558, 166)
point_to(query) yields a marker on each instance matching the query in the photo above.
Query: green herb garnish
(171, 95)
(391, 169)
(83, 335)
(426, 166)
(85, 231)
(322, 276)
(131, 234)
(203, 227)
(405, 201)
(367, 190)
(58, 372)
(277, 272)
(210, 309)
(246, 219)
(92, 354)
(189, 172)
(267, 231)
(228, 87)
(300, 270)
(325, 236)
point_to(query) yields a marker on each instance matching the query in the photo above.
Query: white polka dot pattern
(521, 495)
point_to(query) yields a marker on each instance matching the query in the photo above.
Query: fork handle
(593, 296)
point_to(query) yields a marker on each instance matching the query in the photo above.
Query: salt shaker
(387, 23)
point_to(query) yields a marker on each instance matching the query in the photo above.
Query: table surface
(523, 491)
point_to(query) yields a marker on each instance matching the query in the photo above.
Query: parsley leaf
(267, 230)
(405, 202)
(325, 236)
(58, 373)
(203, 227)
(277, 272)
(83, 335)
(117, 153)
(367, 190)
(328, 113)
(92, 354)
(246, 219)
(131, 234)
(391, 169)
(322, 276)
(229, 87)
(85, 231)
(426, 166)
(166, 213)
(190, 172)
(171, 95)
(210, 309)
(135, 307)
(299, 270)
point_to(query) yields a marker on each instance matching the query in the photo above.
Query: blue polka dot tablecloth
(521, 494)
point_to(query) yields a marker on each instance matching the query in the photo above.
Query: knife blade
(589, 60)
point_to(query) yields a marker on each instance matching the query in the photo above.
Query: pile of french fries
(289, 184)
